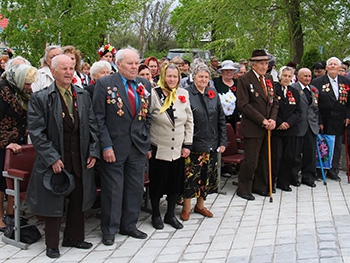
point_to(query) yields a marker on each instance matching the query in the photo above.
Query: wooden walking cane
(347, 154)
(269, 162)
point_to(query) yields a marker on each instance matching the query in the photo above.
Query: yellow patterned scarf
(171, 98)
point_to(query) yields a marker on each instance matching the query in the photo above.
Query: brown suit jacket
(254, 105)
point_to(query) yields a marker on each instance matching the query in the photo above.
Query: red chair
(240, 142)
(17, 171)
(231, 154)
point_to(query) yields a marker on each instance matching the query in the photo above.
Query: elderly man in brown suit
(259, 107)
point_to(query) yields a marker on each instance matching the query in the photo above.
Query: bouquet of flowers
(228, 102)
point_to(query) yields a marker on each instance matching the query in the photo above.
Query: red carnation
(211, 94)
(233, 88)
(289, 94)
(182, 98)
(268, 83)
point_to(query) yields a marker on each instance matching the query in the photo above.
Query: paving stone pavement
(307, 225)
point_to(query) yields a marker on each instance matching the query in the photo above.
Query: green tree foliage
(282, 27)
(310, 57)
(84, 24)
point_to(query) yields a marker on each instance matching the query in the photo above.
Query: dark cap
(258, 55)
(60, 184)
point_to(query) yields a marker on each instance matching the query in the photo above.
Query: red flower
(182, 98)
(233, 88)
(289, 94)
(211, 94)
(74, 80)
(347, 88)
(314, 90)
(140, 89)
(268, 83)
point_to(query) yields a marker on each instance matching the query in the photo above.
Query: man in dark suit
(305, 160)
(334, 108)
(121, 103)
(63, 129)
(257, 102)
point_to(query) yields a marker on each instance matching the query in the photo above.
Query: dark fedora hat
(259, 54)
(60, 184)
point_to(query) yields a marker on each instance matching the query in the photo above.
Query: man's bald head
(304, 76)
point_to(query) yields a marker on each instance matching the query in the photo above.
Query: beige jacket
(167, 136)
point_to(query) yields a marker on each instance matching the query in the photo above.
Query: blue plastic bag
(325, 148)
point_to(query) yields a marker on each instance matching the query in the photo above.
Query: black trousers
(75, 229)
(283, 156)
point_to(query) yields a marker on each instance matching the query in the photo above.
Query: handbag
(29, 233)
(325, 149)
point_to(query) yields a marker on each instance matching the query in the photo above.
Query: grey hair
(334, 58)
(97, 66)
(12, 62)
(284, 68)
(47, 51)
(121, 52)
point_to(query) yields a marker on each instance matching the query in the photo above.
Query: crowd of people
(104, 124)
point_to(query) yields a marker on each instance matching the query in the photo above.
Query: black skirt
(166, 177)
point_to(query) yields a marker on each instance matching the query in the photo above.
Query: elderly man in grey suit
(121, 103)
(307, 130)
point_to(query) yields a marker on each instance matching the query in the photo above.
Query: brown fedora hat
(259, 54)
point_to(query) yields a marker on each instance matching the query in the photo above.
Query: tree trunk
(150, 32)
(296, 36)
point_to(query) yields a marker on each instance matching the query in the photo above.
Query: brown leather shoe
(203, 211)
(185, 215)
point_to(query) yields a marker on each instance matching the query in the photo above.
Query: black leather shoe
(249, 197)
(262, 193)
(52, 252)
(157, 222)
(108, 240)
(309, 184)
(173, 222)
(334, 178)
(134, 233)
(283, 188)
(296, 184)
(76, 243)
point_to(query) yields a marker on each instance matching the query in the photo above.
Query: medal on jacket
(120, 104)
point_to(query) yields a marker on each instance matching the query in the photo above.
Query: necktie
(131, 97)
(69, 102)
(261, 79)
(308, 94)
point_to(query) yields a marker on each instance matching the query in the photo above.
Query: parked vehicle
(189, 53)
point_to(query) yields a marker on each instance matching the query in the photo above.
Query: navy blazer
(333, 112)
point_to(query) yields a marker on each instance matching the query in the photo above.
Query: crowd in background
(178, 114)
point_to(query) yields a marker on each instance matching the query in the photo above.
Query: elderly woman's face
(145, 73)
(201, 80)
(107, 57)
(153, 66)
(101, 73)
(227, 73)
(286, 78)
(52, 53)
(172, 78)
